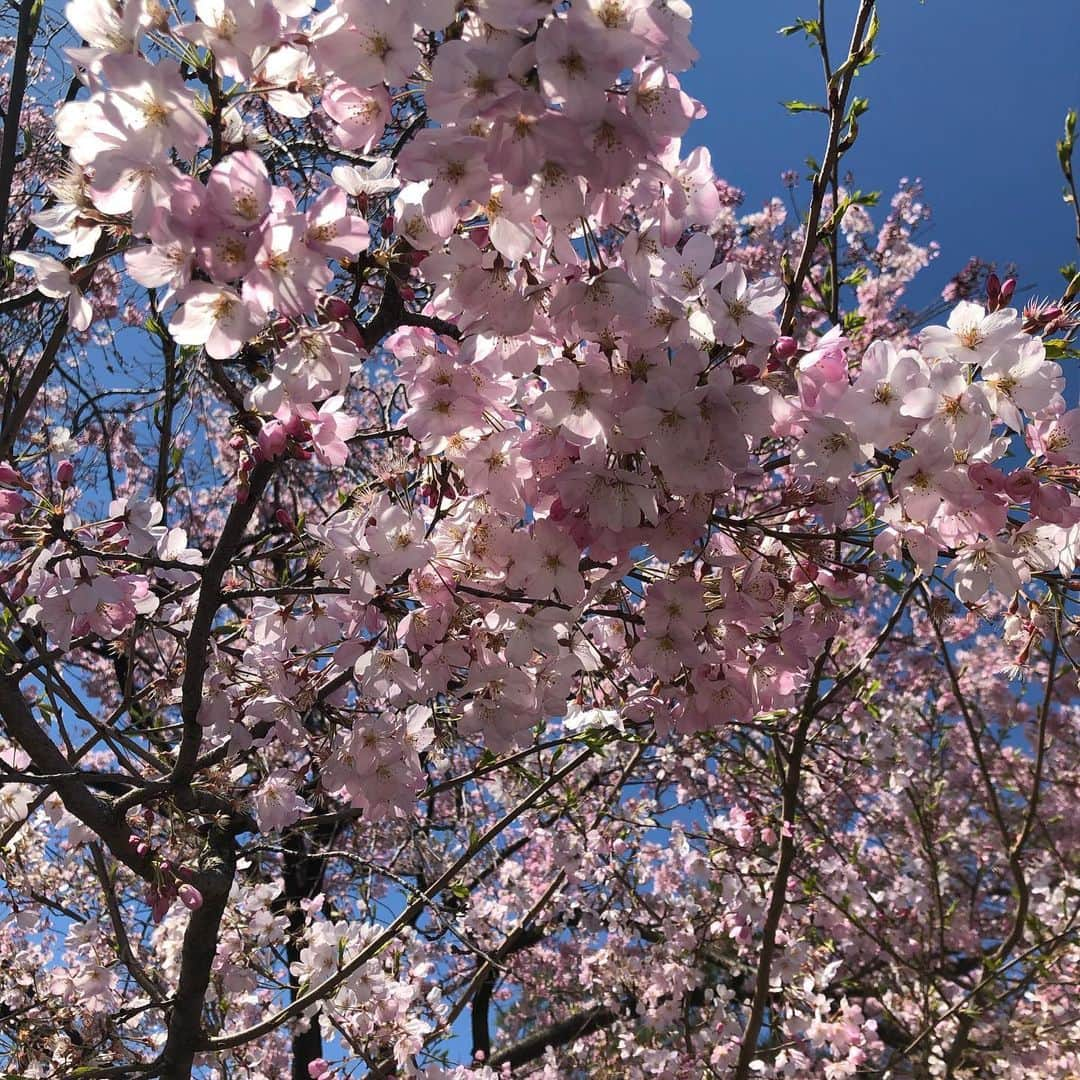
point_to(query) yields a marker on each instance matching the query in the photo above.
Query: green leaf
(1060, 349)
(1065, 145)
(810, 27)
(803, 106)
(859, 105)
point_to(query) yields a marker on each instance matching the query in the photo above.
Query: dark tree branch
(558, 1034)
(29, 17)
(198, 643)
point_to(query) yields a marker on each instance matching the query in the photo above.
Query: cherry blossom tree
(476, 602)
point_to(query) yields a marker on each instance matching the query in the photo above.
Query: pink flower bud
(1021, 485)
(986, 478)
(284, 519)
(1008, 287)
(11, 502)
(993, 288)
(786, 347)
(387, 225)
(159, 906)
(18, 589)
(295, 427)
(319, 1069)
(350, 330)
(142, 849)
(190, 897)
(272, 439)
(334, 308)
(65, 473)
(11, 477)
(1050, 503)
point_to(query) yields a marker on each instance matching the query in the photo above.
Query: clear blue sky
(968, 95)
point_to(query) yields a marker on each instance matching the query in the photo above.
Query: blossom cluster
(609, 491)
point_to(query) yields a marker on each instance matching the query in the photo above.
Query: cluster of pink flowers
(612, 504)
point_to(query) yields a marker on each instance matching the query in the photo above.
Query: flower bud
(11, 502)
(1021, 485)
(985, 477)
(284, 519)
(11, 477)
(334, 308)
(159, 906)
(1008, 287)
(1050, 503)
(21, 584)
(272, 439)
(190, 897)
(786, 347)
(993, 291)
(295, 427)
(65, 474)
(350, 330)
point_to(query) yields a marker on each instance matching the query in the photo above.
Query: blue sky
(968, 95)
